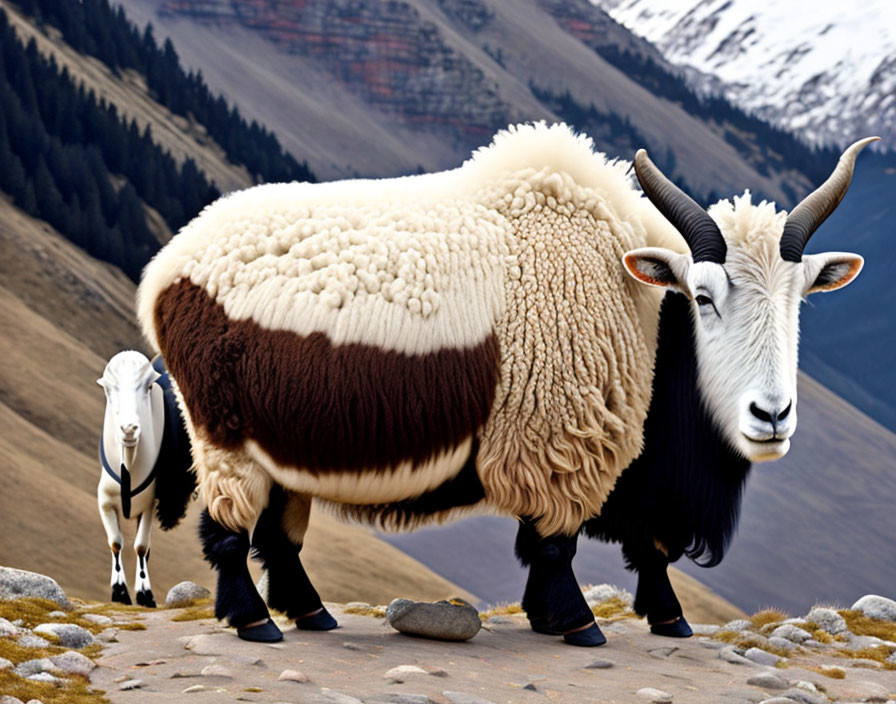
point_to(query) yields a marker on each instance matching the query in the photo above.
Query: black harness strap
(124, 479)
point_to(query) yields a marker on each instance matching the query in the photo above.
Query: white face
(746, 317)
(127, 381)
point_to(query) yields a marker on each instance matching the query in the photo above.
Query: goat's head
(746, 276)
(127, 381)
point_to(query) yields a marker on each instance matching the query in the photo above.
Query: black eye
(703, 300)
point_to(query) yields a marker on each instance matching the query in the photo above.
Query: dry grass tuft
(132, 626)
(502, 610)
(375, 611)
(832, 671)
(726, 636)
(767, 617)
(195, 613)
(861, 625)
(75, 691)
(613, 607)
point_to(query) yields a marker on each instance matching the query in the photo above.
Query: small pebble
(73, 663)
(599, 665)
(531, 687)
(778, 700)
(704, 629)
(5, 665)
(130, 684)
(338, 697)
(781, 643)
(215, 671)
(804, 696)
(711, 644)
(57, 614)
(729, 654)
(657, 696)
(402, 672)
(195, 688)
(29, 640)
(792, 633)
(293, 676)
(98, 619)
(398, 698)
(44, 677)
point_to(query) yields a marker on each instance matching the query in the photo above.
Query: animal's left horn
(698, 229)
(814, 209)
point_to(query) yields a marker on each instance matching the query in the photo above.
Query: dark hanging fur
(175, 480)
(685, 488)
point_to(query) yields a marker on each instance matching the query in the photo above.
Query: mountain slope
(829, 75)
(383, 88)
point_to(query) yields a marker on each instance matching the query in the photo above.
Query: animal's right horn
(814, 209)
(698, 229)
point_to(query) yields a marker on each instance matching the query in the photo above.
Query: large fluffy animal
(145, 459)
(411, 349)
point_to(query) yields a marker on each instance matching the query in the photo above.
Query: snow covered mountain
(824, 69)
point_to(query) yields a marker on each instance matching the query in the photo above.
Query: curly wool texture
(525, 240)
(576, 369)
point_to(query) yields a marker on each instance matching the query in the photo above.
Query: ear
(830, 270)
(655, 266)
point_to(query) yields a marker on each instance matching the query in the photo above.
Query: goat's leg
(277, 542)
(141, 547)
(655, 598)
(553, 600)
(236, 600)
(109, 517)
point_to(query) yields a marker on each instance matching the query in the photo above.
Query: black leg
(289, 588)
(120, 594)
(654, 597)
(237, 599)
(553, 600)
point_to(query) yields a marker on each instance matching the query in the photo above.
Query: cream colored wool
(525, 239)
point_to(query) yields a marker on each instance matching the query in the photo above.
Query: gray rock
(762, 657)
(804, 696)
(768, 680)
(98, 619)
(464, 698)
(399, 698)
(738, 625)
(705, 629)
(56, 614)
(892, 659)
(6, 699)
(108, 635)
(657, 696)
(69, 634)
(791, 633)
(874, 606)
(5, 665)
(29, 640)
(73, 663)
(599, 665)
(827, 620)
(17, 584)
(711, 644)
(602, 592)
(862, 642)
(185, 593)
(131, 684)
(33, 667)
(7, 629)
(778, 700)
(339, 697)
(44, 677)
(205, 644)
(195, 688)
(781, 643)
(857, 691)
(729, 654)
(441, 620)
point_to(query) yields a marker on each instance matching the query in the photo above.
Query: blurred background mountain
(118, 123)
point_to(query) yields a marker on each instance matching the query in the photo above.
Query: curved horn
(814, 209)
(698, 229)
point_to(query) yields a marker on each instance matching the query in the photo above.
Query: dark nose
(770, 416)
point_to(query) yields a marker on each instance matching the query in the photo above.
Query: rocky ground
(183, 655)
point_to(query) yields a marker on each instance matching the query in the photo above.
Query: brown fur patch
(312, 404)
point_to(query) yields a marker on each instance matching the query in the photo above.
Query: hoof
(321, 621)
(120, 594)
(543, 628)
(677, 629)
(589, 638)
(146, 599)
(266, 632)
